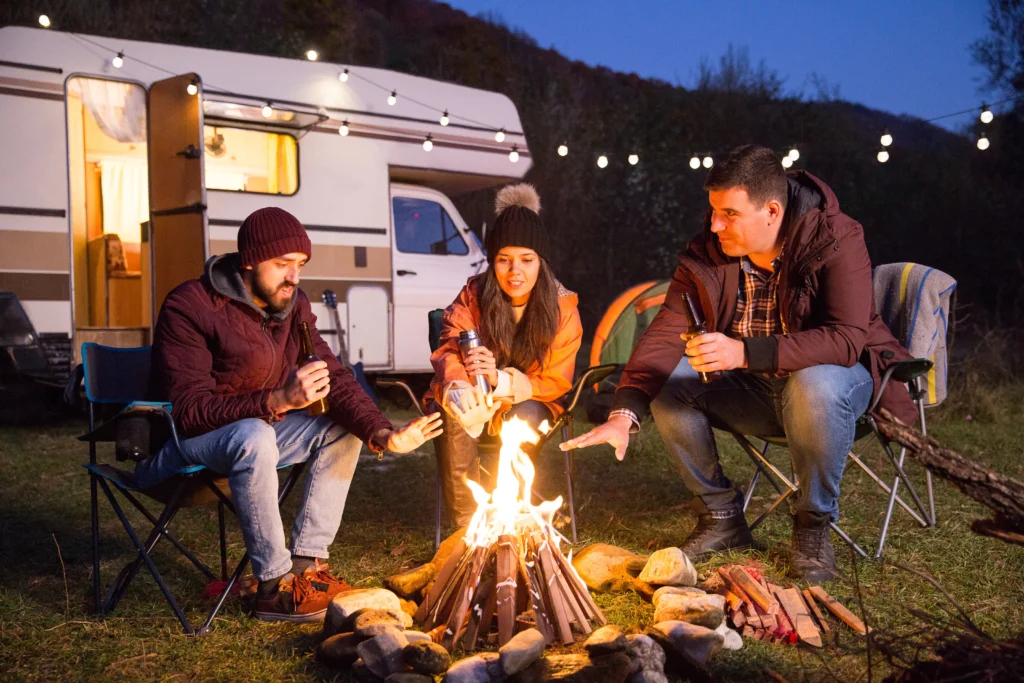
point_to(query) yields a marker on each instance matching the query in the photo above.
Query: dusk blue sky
(902, 56)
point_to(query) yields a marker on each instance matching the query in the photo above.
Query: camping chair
(563, 423)
(116, 377)
(924, 377)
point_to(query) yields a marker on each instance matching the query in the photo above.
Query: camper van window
(256, 161)
(424, 227)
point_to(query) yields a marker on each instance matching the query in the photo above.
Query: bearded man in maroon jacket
(225, 353)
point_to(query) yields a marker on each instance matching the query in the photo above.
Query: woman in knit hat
(530, 328)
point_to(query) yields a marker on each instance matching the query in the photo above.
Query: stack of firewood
(765, 611)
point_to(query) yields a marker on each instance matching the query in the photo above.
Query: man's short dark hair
(754, 168)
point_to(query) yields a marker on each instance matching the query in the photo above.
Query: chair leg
(170, 537)
(95, 520)
(889, 507)
(885, 487)
(927, 472)
(887, 447)
(223, 542)
(567, 431)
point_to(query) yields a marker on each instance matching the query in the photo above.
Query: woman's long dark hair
(519, 346)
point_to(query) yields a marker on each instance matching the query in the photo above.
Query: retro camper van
(128, 164)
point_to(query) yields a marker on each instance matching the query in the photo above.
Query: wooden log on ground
(843, 614)
(460, 612)
(809, 600)
(506, 574)
(754, 590)
(531, 583)
(559, 609)
(441, 580)
(794, 607)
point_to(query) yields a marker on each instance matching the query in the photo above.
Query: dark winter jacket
(826, 304)
(217, 356)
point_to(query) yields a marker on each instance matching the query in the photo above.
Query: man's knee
(823, 388)
(253, 440)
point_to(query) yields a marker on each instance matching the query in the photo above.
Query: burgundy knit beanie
(269, 233)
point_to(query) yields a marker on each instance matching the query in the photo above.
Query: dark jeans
(457, 457)
(814, 409)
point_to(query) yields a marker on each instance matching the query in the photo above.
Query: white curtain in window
(125, 189)
(219, 179)
(118, 108)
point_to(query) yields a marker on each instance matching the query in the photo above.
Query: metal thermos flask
(470, 339)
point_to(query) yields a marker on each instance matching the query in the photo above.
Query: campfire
(508, 570)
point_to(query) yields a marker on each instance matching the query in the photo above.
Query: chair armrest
(395, 383)
(592, 375)
(905, 371)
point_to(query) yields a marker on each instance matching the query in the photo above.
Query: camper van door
(434, 254)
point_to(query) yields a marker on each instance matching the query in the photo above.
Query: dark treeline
(938, 201)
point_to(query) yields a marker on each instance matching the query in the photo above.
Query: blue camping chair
(116, 380)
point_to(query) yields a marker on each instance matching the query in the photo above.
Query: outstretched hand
(614, 432)
(473, 407)
(415, 434)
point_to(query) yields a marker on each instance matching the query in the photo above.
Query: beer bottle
(697, 328)
(319, 406)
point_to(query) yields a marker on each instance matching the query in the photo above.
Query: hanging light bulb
(633, 159)
(695, 163)
(787, 162)
(428, 144)
(343, 130)
(708, 162)
(563, 149)
(312, 55)
(343, 76)
(794, 155)
(886, 138)
(393, 97)
(444, 118)
(883, 156)
(513, 156)
(268, 111)
(986, 114)
(983, 142)
(602, 161)
(193, 87)
(118, 61)
(500, 136)
(44, 21)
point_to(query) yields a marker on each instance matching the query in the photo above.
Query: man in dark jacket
(224, 354)
(784, 282)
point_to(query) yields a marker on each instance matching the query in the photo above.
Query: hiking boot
(812, 558)
(717, 534)
(324, 582)
(295, 600)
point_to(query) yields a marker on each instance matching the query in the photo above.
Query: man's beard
(272, 295)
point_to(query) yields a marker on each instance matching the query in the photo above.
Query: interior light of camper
(444, 118)
(118, 61)
(312, 55)
(193, 87)
(343, 76)
(886, 139)
(392, 98)
(44, 21)
(343, 131)
(602, 161)
(708, 162)
(787, 162)
(983, 143)
(986, 114)
(694, 163)
(428, 144)
(633, 159)
(883, 156)
(268, 111)
(563, 150)
(500, 136)
(794, 154)
(513, 156)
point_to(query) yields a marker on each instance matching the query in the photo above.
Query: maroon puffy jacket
(217, 356)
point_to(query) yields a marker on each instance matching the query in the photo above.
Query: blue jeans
(814, 409)
(248, 453)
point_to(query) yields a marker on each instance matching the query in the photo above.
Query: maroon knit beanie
(269, 233)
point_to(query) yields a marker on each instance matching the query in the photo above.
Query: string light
(500, 136)
(193, 87)
(392, 98)
(787, 162)
(343, 130)
(886, 139)
(694, 163)
(44, 21)
(794, 155)
(513, 156)
(312, 55)
(444, 118)
(633, 159)
(343, 76)
(883, 156)
(708, 162)
(118, 61)
(428, 144)
(602, 161)
(983, 142)
(268, 111)
(563, 150)
(986, 114)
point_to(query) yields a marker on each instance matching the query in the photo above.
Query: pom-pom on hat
(518, 223)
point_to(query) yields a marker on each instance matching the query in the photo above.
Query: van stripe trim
(31, 93)
(30, 211)
(32, 67)
(232, 223)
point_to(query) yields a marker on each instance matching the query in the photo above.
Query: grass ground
(47, 632)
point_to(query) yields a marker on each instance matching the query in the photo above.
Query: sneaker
(812, 558)
(295, 600)
(717, 534)
(323, 581)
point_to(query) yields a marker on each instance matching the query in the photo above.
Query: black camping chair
(116, 379)
(563, 423)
